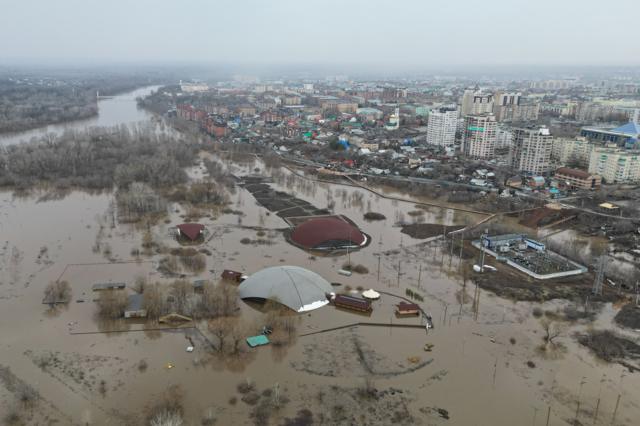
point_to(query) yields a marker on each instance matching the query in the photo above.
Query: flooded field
(486, 366)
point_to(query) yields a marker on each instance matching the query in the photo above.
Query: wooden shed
(407, 309)
(352, 303)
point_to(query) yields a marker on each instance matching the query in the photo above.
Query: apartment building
(531, 150)
(479, 137)
(441, 127)
(615, 165)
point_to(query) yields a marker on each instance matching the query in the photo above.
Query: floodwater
(475, 372)
(120, 109)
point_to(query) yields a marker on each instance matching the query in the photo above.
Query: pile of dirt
(544, 216)
(427, 230)
(629, 316)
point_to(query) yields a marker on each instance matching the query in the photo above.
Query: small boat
(344, 272)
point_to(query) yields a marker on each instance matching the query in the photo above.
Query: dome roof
(327, 232)
(297, 288)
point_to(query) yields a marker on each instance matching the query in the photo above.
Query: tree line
(99, 158)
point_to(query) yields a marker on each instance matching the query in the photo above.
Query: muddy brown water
(473, 371)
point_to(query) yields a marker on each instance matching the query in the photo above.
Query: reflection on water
(121, 109)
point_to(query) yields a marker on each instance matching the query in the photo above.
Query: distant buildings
(193, 87)
(394, 120)
(441, 128)
(514, 107)
(552, 84)
(531, 151)
(476, 102)
(369, 114)
(615, 165)
(624, 136)
(479, 138)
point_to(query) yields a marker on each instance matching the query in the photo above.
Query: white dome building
(297, 288)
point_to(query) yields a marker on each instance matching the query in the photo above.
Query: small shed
(190, 231)
(134, 308)
(407, 309)
(108, 286)
(258, 340)
(352, 303)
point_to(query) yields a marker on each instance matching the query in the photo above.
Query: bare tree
(154, 301)
(57, 292)
(112, 304)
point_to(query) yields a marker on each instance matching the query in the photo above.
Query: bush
(358, 269)
(112, 304)
(57, 292)
(374, 216)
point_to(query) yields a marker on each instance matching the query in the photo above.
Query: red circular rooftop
(327, 232)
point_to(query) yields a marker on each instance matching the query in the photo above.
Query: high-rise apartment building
(479, 137)
(476, 102)
(441, 126)
(572, 152)
(615, 165)
(514, 107)
(531, 150)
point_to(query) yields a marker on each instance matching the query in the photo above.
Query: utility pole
(461, 246)
(582, 382)
(482, 239)
(597, 283)
(398, 273)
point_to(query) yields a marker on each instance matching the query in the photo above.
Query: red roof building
(327, 233)
(191, 231)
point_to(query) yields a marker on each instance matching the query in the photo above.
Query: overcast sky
(401, 32)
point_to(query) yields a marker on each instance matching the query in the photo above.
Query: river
(120, 109)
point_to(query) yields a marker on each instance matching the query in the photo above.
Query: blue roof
(630, 128)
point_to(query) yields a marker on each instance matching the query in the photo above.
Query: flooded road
(486, 366)
(113, 111)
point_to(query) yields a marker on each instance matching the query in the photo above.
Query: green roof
(259, 340)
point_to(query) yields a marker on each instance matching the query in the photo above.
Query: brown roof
(576, 173)
(191, 230)
(327, 230)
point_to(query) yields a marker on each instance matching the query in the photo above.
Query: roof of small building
(191, 230)
(135, 302)
(580, 174)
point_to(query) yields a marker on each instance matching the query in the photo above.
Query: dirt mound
(629, 316)
(427, 230)
(612, 347)
(542, 217)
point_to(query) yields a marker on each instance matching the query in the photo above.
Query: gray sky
(401, 32)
